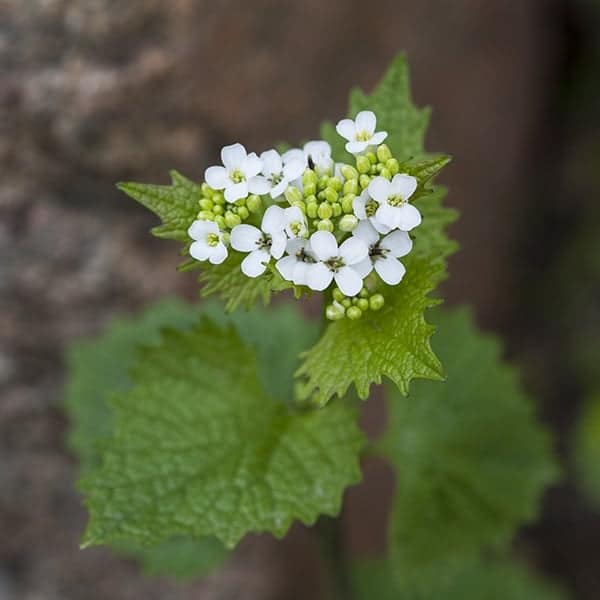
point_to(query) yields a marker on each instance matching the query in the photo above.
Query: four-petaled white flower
(239, 175)
(295, 266)
(365, 208)
(294, 222)
(263, 244)
(336, 263)
(392, 197)
(208, 244)
(277, 175)
(361, 132)
(383, 253)
(315, 154)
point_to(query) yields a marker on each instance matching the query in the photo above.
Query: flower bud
(393, 165)
(293, 194)
(231, 219)
(330, 195)
(308, 177)
(364, 292)
(338, 294)
(348, 223)
(218, 209)
(385, 172)
(325, 225)
(323, 181)
(364, 181)
(207, 191)
(225, 237)
(337, 209)
(220, 221)
(351, 186)
(347, 203)
(376, 301)
(384, 153)
(206, 204)
(243, 213)
(325, 211)
(372, 157)
(363, 164)
(312, 209)
(254, 203)
(363, 304)
(218, 198)
(354, 313)
(206, 215)
(335, 183)
(346, 303)
(334, 312)
(349, 172)
(310, 189)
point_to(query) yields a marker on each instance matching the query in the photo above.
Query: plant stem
(340, 584)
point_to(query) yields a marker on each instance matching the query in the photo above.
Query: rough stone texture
(103, 90)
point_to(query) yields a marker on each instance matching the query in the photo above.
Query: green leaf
(199, 449)
(587, 448)
(475, 580)
(238, 290)
(392, 342)
(471, 458)
(175, 204)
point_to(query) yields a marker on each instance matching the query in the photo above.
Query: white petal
(378, 138)
(271, 163)
(366, 121)
(217, 177)
(286, 266)
(390, 269)
(301, 271)
(398, 243)
(200, 250)
(294, 154)
(318, 277)
(278, 242)
(359, 206)
(237, 191)
(259, 185)
(317, 149)
(353, 250)
(349, 281)
(233, 156)
(251, 166)
(356, 147)
(346, 129)
(293, 169)
(295, 245)
(408, 217)
(364, 267)
(200, 229)
(403, 186)
(255, 263)
(279, 189)
(219, 254)
(324, 245)
(379, 189)
(388, 215)
(379, 226)
(293, 214)
(244, 237)
(273, 220)
(366, 232)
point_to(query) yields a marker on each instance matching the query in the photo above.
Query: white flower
(315, 154)
(239, 175)
(209, 242)
(277, 175)
(361, 132)
(336, 263)
(261, 245)
(383, 253)
(294, 222)
(365, 208)
(392, 197)
(300, 258)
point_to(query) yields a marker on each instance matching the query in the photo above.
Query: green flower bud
(384, 153)
(364, 181)
(364, 293)
(330, 194)
(347, 203)
(346, 303)
(312, 209)
(354, 313)
(325, 225)
(309, 176)
(241, 202)
(206, 215)
(337, 209)
(206, 204)
(351, 186)
(254, 203)
(378, 167)
(218, 198)
(231, 219)
(325, 211)
(372, 157)
(348, 223)
(310, 199)
(338, 294)
(207, 191)
(323, 181)
(243, 213)
(363, 164)
(310, 189)
(225, 237)
(393, 165)
(293, 194)
(218, 209)
(363, 304)
(376, 301)
(334, 312)
(349, 172)
(373, 170)
(335, 183)
(220, 221)
(385, 172)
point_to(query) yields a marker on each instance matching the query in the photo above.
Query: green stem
(340, 583)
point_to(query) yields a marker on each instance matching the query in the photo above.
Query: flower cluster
(313, 221)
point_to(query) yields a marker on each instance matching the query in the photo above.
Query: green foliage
(475, 580)
(587, 448)
(199, 449)
(175, 204)
(471, 459)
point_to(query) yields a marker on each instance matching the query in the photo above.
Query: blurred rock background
(97, 91)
